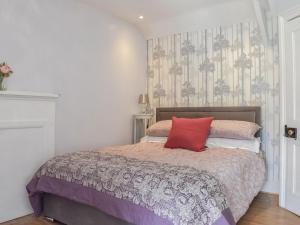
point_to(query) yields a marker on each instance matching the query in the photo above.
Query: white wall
(283, 5)
(224, 14)
(94, 60)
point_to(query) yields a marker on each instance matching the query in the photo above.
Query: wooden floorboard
(263, 211)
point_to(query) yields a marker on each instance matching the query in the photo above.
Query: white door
(292, 100)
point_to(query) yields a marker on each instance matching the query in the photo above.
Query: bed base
(73, 213)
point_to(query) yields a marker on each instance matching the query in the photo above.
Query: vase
(2, 87)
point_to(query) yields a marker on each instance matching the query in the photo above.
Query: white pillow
(154, 139)
(249, 145)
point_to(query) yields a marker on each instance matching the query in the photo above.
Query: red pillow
(189, 134)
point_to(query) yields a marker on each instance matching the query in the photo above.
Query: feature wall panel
(222, 66)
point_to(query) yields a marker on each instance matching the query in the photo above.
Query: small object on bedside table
(144, 103)
(140, 124)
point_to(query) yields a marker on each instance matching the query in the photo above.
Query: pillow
(189, 134)
(160, 129)
(249, 145)
(233, 129)
(154, 139)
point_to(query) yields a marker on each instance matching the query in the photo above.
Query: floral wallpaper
(229, 66)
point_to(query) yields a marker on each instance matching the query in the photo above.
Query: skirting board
(271, 187)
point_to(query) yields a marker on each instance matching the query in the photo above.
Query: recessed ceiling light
(141, 17)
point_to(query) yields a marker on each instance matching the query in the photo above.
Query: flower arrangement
(5, 71)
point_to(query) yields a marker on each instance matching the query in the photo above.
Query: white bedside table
(140, 124)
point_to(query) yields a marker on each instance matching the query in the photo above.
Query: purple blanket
(139, 192)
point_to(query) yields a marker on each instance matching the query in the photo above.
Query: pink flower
(5, 69)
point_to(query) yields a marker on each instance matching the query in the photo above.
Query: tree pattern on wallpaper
(220, 67)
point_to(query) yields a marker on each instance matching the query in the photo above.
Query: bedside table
(140, 124)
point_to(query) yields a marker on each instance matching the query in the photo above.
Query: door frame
(283, 18)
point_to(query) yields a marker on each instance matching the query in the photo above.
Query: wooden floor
(263, 211)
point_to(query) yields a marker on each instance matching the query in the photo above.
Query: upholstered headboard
(244, 113)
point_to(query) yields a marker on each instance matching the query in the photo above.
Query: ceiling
(152, 10)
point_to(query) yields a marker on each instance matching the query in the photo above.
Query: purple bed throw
(139, 192)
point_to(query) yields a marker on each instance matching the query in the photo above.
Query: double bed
(147, 184)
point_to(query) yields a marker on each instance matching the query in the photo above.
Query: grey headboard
(245, 113)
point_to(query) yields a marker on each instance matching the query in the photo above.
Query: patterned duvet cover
(146, 184)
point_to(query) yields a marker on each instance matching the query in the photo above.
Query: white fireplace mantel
(27, 126)
(27, 94)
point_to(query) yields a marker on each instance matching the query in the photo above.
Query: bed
(233, 177)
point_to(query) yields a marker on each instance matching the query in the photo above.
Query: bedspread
(241, 172)
(147, 184)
